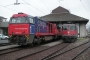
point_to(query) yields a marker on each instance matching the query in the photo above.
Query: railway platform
(7, 47)
(53, 43)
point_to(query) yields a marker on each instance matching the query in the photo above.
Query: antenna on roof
(16, 3)
(20, 13)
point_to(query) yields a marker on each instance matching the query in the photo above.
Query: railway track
(14, 49)
(44, 53)
(80, 53)
(10, 50)
(67, 54)
(40, 53)
(17, 53)
(42, 56)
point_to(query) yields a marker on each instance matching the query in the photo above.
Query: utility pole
(16, 3)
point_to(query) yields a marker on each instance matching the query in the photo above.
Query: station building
(61, 15)
(3, 25)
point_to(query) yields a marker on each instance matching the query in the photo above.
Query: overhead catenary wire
(19, 4)
(67, 5)
(85, 7)
(31, 9)
(15, 4)
(9, 5)
(88, 3)
(8, 8)
(88, 14)
(1, 14)
(46, 5)
(60, 2)
(33, 6)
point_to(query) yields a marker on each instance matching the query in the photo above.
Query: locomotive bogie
(69, 39)
(21, 39)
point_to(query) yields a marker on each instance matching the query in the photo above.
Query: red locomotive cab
(18, 24)
(18, 29)
(69, 32)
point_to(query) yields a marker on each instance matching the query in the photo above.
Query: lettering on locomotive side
(21, 28)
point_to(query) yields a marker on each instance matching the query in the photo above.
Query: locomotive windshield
(18, 20)
(65, 27)
(72, 27)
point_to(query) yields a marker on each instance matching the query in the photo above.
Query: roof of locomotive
(21, 15)
(26, 15)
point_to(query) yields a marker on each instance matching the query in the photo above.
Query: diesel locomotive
(25, 29)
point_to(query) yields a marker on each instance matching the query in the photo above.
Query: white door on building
(78, 27)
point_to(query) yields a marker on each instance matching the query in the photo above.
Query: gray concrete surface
(7, 47)
(4, 41)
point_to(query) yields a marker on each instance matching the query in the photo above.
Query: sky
(44, 7)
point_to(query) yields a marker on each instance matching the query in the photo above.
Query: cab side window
(31, 20)
(64, 28)
(72, 27)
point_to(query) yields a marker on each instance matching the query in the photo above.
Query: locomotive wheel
(55, 37)
(43, 39)
(67, 41)
(37, 40)
(74, 40)
(34, 40)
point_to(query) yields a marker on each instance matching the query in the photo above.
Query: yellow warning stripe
(27, 37)
(9, 35)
